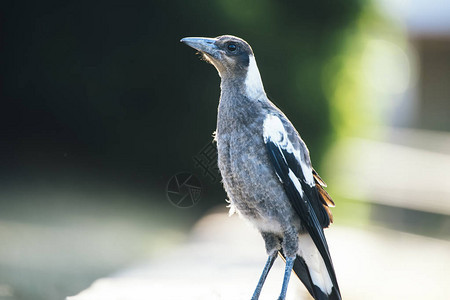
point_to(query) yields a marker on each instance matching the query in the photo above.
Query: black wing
(303, 194)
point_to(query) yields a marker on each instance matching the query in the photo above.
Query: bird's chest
(246, 171)
(240, 151)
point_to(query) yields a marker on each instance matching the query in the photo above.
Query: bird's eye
(232, 47)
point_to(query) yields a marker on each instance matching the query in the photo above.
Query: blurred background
(101, 106)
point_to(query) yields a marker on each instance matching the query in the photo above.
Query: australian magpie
(266, 170)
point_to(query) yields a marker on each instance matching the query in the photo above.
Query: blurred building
(405, 170)
(427, 26)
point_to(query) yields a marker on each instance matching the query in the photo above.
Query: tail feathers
(303, 273)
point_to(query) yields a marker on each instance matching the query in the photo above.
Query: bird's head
(229, 54)
(232, 57)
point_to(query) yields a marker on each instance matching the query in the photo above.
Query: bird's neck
(241, 100)
(248, 85)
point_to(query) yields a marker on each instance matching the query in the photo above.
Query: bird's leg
(287, 276)
(269, 263)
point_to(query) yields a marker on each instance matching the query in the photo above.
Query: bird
(266, 171)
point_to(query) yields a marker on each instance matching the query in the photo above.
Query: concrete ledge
(224, 258)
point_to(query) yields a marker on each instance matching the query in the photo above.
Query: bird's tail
(316, 279)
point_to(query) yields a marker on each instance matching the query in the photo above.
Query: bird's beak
(204, 45)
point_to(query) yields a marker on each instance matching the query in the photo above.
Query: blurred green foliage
(359, 107)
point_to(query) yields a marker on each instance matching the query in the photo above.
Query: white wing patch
(275, 132)
(297, 185)
(307, 172)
